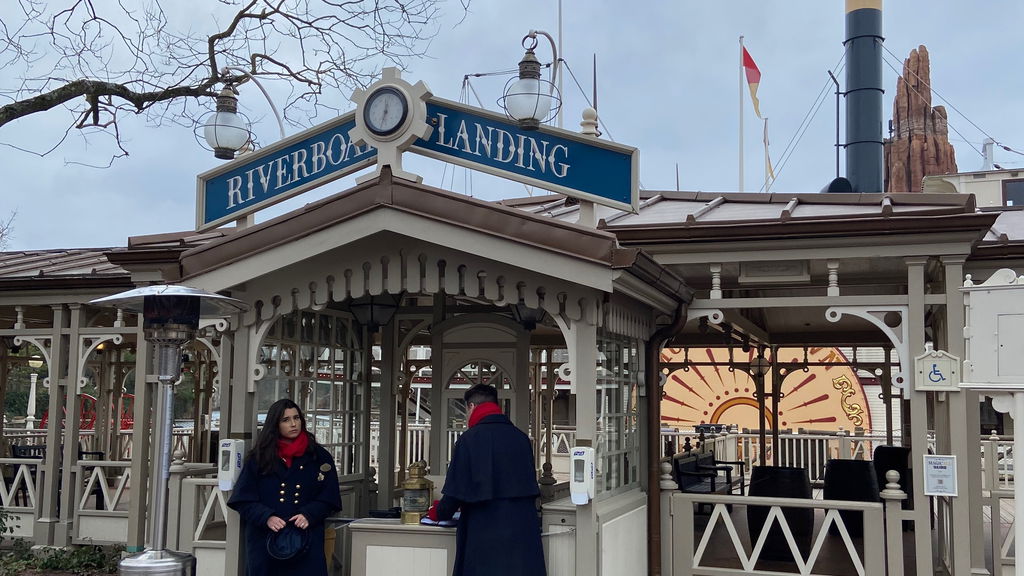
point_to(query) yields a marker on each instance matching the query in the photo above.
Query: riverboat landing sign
(393, 116)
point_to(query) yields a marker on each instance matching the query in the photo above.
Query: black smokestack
(864, 147)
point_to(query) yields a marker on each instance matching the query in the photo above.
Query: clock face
(385, 111)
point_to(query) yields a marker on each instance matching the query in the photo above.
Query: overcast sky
(667, 84)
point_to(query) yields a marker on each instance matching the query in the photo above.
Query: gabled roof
(686, 216)
(1005, 239)
(427, 203)
(49, 269)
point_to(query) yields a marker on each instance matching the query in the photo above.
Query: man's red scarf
(483, 410)
(288, 449)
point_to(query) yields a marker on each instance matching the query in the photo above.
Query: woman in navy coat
(287, 479)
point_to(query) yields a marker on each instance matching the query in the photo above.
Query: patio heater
(171, 317)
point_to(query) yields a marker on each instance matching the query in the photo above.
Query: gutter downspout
(652, 376)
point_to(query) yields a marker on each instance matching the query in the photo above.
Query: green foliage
(80, 560)
(6, 526)
(184, 398)
(16, 398)
(16, 403)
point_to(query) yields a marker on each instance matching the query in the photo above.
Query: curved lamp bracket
(258, 370)
(43, 344)
(876, 315)
(87, 344)
(214, 356)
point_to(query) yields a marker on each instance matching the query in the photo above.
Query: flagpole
(741, 115)
(766, 160)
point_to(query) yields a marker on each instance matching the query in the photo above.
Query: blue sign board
(550, 158)
(278, 172)
(558, 160)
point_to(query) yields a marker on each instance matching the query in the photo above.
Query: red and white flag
(753, 79)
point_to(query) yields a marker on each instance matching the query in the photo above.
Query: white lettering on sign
(522, 151)
(291, 168)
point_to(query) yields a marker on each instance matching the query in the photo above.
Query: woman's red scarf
(483, 410)
(288, 449)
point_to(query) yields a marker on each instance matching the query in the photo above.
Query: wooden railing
(720, 547)
(102, 499)
(201, 510)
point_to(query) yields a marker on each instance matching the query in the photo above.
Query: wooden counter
(385, 547)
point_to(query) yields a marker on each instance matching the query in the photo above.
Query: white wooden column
(143, 420)
(67, 450)
(584, 380)
(918, 414)
(43, 532)
(965, 427)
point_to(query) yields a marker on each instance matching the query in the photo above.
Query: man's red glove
(432, 511)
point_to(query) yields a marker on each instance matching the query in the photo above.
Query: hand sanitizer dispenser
(581, 485)
(230, 454)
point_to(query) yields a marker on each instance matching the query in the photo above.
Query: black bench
(701, 473)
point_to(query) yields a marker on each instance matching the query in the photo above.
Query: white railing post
(990, 479)
(668, 487)
(844, 444)
(683, 535)
(893, 498)
(178, 472)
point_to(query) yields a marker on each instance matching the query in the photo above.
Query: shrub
(80, 560)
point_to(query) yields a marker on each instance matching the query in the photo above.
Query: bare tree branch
(6, 229)
(102, 60)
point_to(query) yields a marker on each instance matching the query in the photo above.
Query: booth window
(317, 359)
(618, 381)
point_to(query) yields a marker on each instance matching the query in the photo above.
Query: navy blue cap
(287, 542)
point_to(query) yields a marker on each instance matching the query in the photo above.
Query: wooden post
(893, 498)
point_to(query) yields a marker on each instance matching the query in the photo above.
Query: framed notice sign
(939, 475)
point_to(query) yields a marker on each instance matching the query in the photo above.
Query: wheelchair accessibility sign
(936, 370)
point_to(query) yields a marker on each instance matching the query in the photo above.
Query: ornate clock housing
(391, 115)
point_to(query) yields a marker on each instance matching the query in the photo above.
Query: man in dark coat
(493, 481)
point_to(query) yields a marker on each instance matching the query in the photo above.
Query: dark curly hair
(264, 452)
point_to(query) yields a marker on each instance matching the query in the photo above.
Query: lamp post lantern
(171, 317)
(375, 311)
(225, 131)
(530, 100)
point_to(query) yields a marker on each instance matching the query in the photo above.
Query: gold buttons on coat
(281, 500)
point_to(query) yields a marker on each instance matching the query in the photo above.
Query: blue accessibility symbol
(936, 375)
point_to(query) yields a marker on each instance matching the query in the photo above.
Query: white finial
(589, 124)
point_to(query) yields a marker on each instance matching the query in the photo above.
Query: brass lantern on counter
(417, 494)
